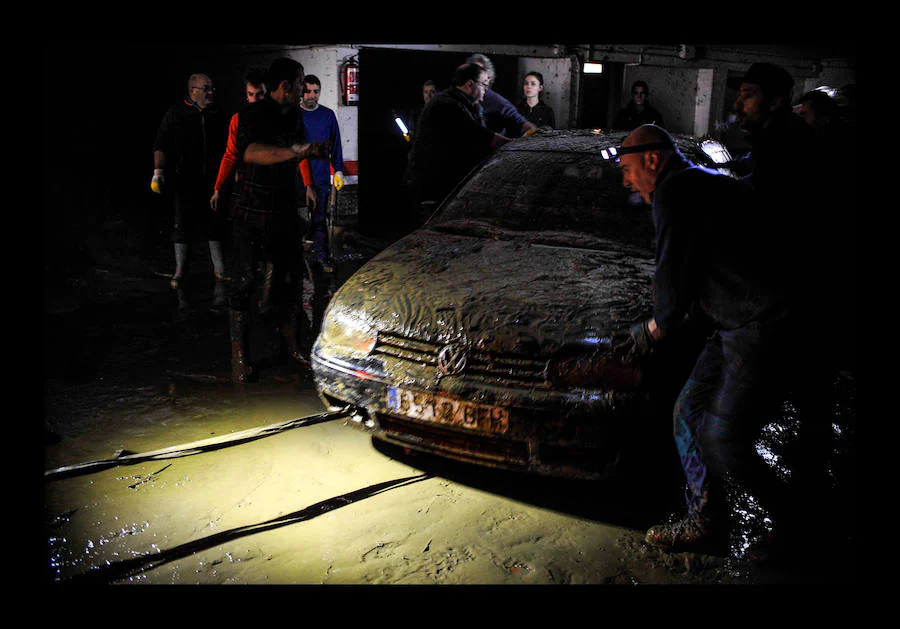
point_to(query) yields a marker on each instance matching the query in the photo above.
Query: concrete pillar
(703, 101)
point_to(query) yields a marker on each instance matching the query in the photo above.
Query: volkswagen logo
(452, 359)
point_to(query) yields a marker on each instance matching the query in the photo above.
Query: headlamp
(614, 152)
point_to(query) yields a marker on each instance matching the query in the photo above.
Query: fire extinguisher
(350, 76)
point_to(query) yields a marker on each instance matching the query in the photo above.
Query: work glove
(338, 180)
(158, 180)
(637, 344)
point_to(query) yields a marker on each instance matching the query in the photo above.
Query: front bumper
(569, 434)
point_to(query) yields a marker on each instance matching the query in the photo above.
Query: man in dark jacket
(709, 265)
(270, 142)
(638, 111)
(804, 211)
(450, 141)
(498, 114)
(189, 143)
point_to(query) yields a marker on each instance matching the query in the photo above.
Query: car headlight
(348, 331)
(591, 367)
(716, 151)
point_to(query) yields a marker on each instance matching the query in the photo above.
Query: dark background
(101, 111)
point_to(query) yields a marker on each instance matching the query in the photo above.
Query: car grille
(488, 367)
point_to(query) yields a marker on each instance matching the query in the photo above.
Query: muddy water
(320, 504)
(312, 505)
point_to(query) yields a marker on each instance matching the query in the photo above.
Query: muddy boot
(183, 304)
(241, 372)
(692, 533)
(290, 332)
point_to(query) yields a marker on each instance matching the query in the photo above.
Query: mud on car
(446, 342)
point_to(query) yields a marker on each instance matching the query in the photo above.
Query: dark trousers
(195, 220)
(319, 222)
(730, 395)
(275, 245)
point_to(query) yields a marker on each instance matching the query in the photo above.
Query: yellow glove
(158, 180)
(338, 180)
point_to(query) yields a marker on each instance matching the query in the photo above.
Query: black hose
(196, 447)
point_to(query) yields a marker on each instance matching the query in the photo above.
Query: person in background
(450, 142)
(821, 112)
(429, 89)
(321, 126)
(270, 142)
(186, 153)
(499, 115)
(800, 202)
(532, 106)
(255, 90)
(638, 111)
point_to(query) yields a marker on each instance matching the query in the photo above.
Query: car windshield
(548, 197)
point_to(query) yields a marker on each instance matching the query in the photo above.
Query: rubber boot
(181, 255)
(264, 304)
(320, 297)
(218, 262)
(218, 259)
(241, 371)
(290, 332)
(219, 295)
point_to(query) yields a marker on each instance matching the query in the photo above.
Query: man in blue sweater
(321, 126)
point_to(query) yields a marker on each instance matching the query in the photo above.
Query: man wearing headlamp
(709, 266)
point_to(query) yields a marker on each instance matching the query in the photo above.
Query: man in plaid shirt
(270, 144)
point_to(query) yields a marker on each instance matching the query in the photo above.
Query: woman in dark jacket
(532, 107)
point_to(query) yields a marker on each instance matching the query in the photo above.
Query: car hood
(505, 295)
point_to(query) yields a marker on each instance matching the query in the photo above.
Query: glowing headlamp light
(615, 152)
(716, 151)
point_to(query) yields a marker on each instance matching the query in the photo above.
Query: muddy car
(447, 341)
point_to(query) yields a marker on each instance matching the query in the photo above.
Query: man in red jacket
(255, 86)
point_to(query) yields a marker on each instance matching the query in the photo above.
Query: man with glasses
(189, 144)
(498, 113)
(638, 111)
(450, 141)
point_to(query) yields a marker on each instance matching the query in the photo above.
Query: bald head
(642, 156)
(650, 134)
(201, 90)
(198, 79)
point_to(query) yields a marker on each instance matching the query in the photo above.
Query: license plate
(444, 410)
